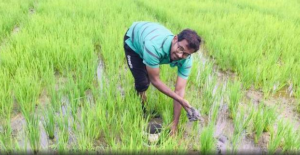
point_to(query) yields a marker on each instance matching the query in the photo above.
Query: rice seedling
(277, 137)
(63, 133)
(6, 97)
(89, 129)
(214, 111)
(6, 140)
(291, 139)
(62, 144)
(235, 95)
(49, 121)
(238, 122)
(86, 74)
(27, 89)
(13, 13)
(33, 132)
(63, 125)
(262, 120)
(208, 96)
(207, 141)
(205, 70)
(250, 115)
(53, 92)
(74, 96)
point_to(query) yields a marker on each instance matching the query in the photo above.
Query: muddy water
(18, 124)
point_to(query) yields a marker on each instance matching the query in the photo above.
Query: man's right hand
(193, 115)
(185, 104)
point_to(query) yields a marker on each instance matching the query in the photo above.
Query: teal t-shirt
(152, 42)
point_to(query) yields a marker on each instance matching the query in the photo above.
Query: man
(148, 45)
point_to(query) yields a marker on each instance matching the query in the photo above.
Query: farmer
(148, 45)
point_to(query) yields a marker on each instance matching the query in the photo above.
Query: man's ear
(175, 39)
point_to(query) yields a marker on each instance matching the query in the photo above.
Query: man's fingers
(193, 114)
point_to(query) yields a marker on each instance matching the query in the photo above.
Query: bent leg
(139, 72)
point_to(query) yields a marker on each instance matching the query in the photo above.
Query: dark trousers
(137, 68)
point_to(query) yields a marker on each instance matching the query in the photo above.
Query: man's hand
(193, 115)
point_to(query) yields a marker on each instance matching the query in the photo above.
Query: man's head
(184, 44)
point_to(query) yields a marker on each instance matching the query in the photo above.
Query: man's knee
(142, 87)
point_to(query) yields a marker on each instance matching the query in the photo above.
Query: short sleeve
(184, 69)
(150, 56)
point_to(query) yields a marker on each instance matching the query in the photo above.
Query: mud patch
(31, 11)
(247, 145)
(15, 30)
(223, 131)
(100, 71)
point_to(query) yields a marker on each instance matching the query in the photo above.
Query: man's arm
(179, 90)
(155, 80)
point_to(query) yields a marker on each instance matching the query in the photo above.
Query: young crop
(238, 122)
(291, 139)
(49, 121)
(33, 133)
(235, 95)
(6, 97)
(26, 91)
(250, 116)
(204, 73)
(214, 111)
(277, 137)
(6, 140)
(89, 130)
(209, 94)
(207, 140)
(262, 120)
(62, 144)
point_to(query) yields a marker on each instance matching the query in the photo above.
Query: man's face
(180, 50)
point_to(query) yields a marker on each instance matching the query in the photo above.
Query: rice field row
(12, 13)
(50, 73)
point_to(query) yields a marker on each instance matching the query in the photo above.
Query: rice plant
(207, 140)
(6, 96)
(277, 137)
(291, 139)
(250, 115)
(6, 139)
(63, 125)
(62, 144)
(33, 132)
(209, 94)
(263, 119)
(49, 121)
(214, 111)
(238, 122)
(27, 89)
(235, 95)
(89, 129)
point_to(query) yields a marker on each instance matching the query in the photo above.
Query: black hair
(191, 36)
